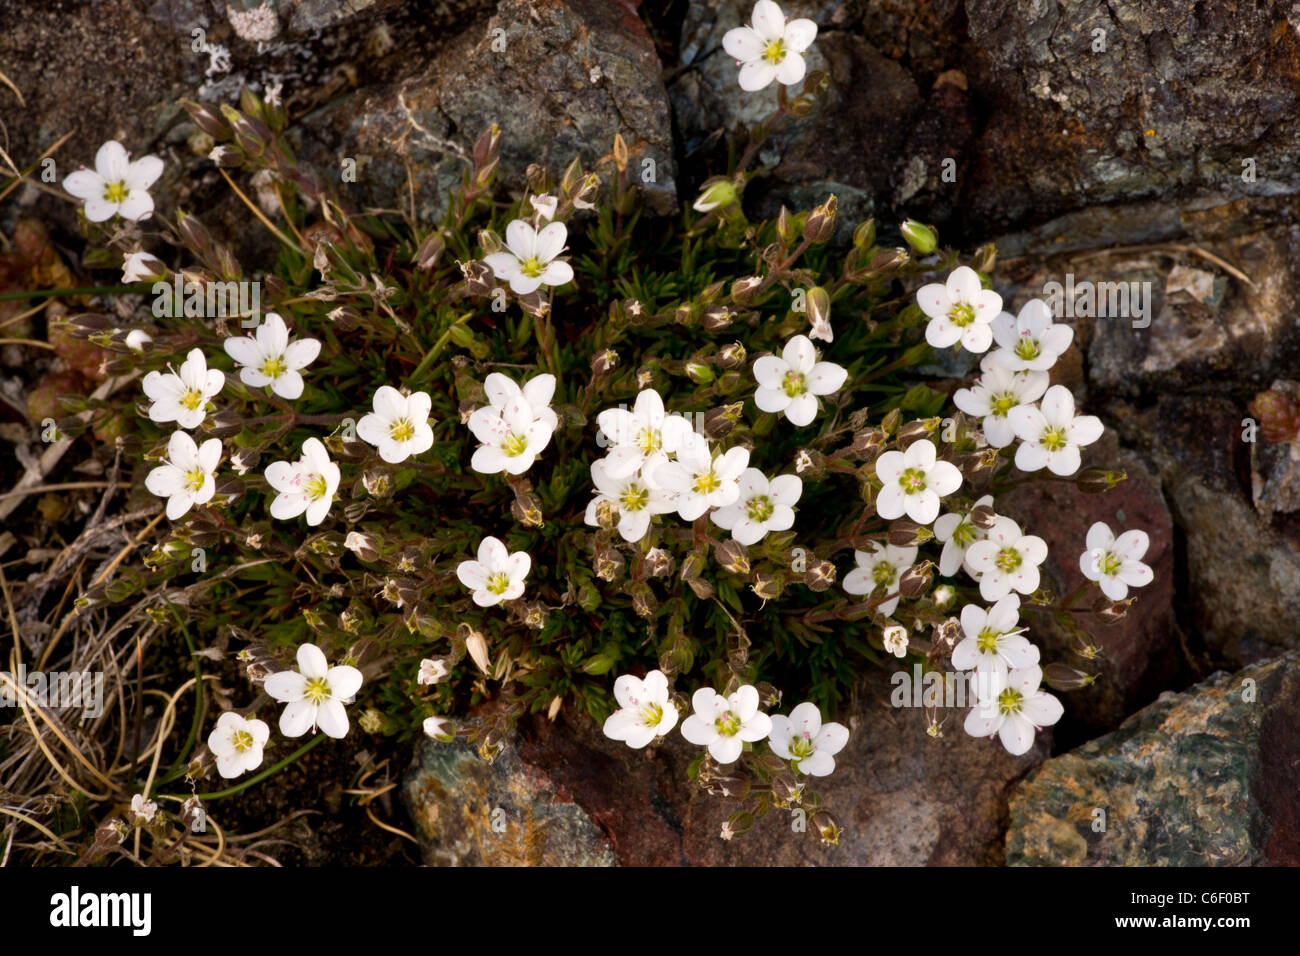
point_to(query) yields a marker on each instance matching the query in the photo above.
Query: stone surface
(1208, 777)
(903, 798)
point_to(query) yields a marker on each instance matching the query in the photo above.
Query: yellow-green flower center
(649, 440)
(794, 384)
(194, 479)
(241, 740)
(987, 640)
(498, 582)
(651, 714)
(759, 508)
(317, 691)
(884, 574)
(314, 487)
(707, 483)
(1001, 404)
(912, 480)
(116, 192)
(401, 430)
(515, 444)
(1008, 560)
(1053, 438)
(1010, 701)
(1110, 564)
(802, 747)
(192, 398)
(274, 368)
(962, 314)
(728, 724)
(774, 51)
(1027, 348)
(532, 267)
(634, 498)
(964, 534)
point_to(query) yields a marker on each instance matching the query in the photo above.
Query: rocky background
(1154, 142)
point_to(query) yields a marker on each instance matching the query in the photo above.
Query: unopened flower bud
(716, 318)
(744, 290)
(864, 236)
(699, 373)
(868, 441)
(983, 517)
(920, 237)
(604, 362)
(702, 588)
(820, 224)
(906, 534)
(476, 646)
(985, 258)
(731, 554)
(917, 429)
(719, 421)
(362, 545)
(1097, 480)
(916, 580)
(1061, 677)
(227, 155)
(730, 356)
(718, 194)
(1117, 611)
(433, 246)
(827, 828)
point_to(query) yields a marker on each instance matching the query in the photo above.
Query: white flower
(960, 309)
(895, 640)
(634, 499)
(701, 480)
(399, 425)
(881, 568)
(995, 394)
(497, 575)
(116, 184)
(644, 713)
(315, 694)
(137, 266)
(137, 339)
(544, 206)
(763, 506)
(431, 672)
(1116, 563)
(790, 384)
(185, 477)
(1014, 711)
(515, 427)
(1052, 434)
(143, 809)
(237, 744)
(993, 643)
(269, 357)
(914, 481)
(182, 396)
(803, 737)
(770, 49)
(957, 532)
(436, 727)
(1006, 560)
(1029, 341)
(636, 436)
(528, 264)
(307, 484)
(726, 724)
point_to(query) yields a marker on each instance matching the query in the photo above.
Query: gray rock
(1208, 777)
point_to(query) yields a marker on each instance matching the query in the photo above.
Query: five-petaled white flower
(497, 575)
(268, 357)
(881, 567)
(790, 384)
(960, 309)
(995, 394)
(957, 532)
(306, 485)
(635, 437)
(993, 644)
(726, 724)
(116, 184)
(143, 809)
(515, 427)
(185, 477)
(770, 48)
(803, 737)
(894, 639)
(913, 482)
(237, 743)
(763, 506)
(1116, 563)
(1014, 710)
(399, 425)
(530, 262)
(431, 672)
(700, 479)
(1006, 560)
(182, 397)
(315, 694)
(633, 498)
(644, 713)
(1029, 341)
(1051, 434)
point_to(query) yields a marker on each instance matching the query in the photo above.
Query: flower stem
(258, 778)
